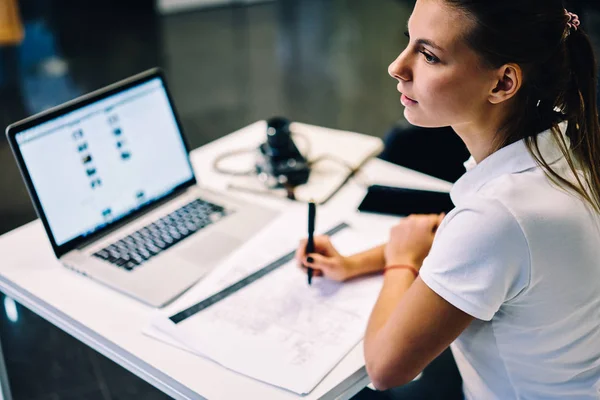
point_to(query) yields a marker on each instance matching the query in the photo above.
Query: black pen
(310, 244)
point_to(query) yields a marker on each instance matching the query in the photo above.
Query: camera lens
(278, 132)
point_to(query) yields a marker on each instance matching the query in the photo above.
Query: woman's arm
(367, 262)
(409, 326)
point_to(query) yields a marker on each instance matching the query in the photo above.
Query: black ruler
(228, 291)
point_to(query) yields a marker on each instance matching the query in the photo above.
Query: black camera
(279, 162)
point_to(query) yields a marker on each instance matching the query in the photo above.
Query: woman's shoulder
(489, 215)
(533, 201)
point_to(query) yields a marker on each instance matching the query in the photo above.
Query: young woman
(510, 279)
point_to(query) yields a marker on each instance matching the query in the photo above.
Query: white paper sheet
(278, 329)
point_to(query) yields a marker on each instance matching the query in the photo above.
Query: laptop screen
(101, 162)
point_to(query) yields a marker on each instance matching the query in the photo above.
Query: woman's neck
(480, 135)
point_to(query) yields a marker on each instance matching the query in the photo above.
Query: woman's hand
(325, 261)
(411, 240)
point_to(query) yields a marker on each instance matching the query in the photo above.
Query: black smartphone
(402, 202)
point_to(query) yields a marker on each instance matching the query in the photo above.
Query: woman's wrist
(364, 263)
(352, 267)
(404, 260)
(402, 267)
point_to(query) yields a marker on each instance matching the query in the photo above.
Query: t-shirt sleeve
(479, 259)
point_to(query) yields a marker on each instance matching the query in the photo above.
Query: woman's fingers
(301, 251)
(316, 272)
(322, 246)
(324, 260)
(431, 220)
(318, 261)
(437, 221)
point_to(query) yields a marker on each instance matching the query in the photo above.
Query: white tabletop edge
(356, 387)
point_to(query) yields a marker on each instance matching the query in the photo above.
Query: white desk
(111, 323)
(172, 6)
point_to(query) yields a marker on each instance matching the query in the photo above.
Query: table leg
(4, 384)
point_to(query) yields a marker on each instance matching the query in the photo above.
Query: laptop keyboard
(137, 248)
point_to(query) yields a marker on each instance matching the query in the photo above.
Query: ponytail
(581, 109)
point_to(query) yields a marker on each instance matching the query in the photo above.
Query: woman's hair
(559, 81)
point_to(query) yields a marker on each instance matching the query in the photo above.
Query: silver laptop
(110, 178)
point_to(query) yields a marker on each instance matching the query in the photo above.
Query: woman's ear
(508, 81)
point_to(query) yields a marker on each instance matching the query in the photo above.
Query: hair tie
(573, 22)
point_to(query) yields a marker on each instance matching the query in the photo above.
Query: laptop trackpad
(208, 250)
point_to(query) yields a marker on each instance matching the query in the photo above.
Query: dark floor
(322, 62)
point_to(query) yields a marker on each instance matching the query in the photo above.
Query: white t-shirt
(523, 258)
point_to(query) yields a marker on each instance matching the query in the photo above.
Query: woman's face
(442, 80)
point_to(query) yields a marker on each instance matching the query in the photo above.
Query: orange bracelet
(408, 267)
